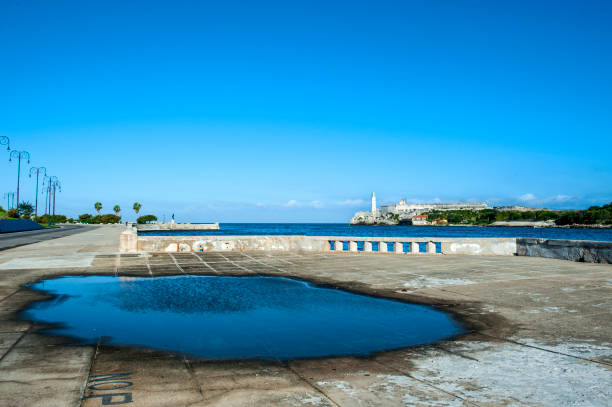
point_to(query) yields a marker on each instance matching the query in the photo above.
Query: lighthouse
(373, 203)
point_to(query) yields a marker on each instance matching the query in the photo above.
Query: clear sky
(297, 111)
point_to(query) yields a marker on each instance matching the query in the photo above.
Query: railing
(385, 245)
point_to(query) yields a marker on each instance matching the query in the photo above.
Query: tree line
(595, 215)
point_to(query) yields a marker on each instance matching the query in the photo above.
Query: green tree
(137, 207)
(98, 206)
(146, 219)
(117, 209)
(84, 218)
(25, 209)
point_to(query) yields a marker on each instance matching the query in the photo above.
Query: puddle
(215, 317)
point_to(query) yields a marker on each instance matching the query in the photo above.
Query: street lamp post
(19, 155)
(9, 196)
(55, 184)
(46, 184)
(5, 140)
(37, 170)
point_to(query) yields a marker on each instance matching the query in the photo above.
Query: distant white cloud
(352, 202)
(293, 203)
(527, 197)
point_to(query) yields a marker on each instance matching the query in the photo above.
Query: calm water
(234, 317)
(343, 229)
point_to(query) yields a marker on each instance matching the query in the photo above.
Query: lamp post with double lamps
(47, 185)
(19, 155)
(5, 140)
(54, 185)
(37, 171)
(9, 196)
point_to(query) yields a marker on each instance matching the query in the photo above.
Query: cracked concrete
(541, 334)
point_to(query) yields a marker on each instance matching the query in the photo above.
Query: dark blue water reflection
(343, 229)
(234, 317)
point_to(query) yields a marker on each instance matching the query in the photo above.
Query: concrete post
(382, 247)
(352, 246)
(338, 244)
(367, 246)
(399, 247)
(431, 247)
(414, 247)
(128, 241)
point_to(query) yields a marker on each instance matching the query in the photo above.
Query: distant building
(439, 221)
(374, 209)
(419, 220)
(403, 212)
(416, 209)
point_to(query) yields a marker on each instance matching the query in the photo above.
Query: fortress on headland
(404, 212)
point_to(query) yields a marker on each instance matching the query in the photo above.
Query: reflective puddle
(217, 317)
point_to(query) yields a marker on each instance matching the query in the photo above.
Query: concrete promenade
(542, 334)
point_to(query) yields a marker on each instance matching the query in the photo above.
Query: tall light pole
(9, 196)
(47, 185)
(5, 140)
(55, 184)
(37, 170)
(19, 155)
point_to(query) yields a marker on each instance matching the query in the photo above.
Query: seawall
(575, 250)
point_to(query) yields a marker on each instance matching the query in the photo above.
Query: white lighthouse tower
(373, 203)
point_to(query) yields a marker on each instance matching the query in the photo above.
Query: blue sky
(297, 111)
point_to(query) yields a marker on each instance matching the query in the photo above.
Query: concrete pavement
(541, 334)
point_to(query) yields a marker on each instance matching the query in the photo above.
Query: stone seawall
(575, 250)
(153, 227)
(131, 242)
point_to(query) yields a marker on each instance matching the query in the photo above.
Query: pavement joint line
(92, 360)
(176, 263)
(193, 377)
(11, 294)
(548, 350)
(428, 384)
(455, 353)
(313, 386)
(265, 264)
(205, 263)
(27, 331)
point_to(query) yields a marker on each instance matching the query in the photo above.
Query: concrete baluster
(414, 247)
(367, 246)
(431, 247)
(382, 247)
(352, 246)
(339, 245)
(399, 247)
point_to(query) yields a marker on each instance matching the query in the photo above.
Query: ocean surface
(343, 229)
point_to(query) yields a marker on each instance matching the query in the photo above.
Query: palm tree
(117, 209)
(137, 207)
(98, 206)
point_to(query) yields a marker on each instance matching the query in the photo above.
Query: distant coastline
(480, 214)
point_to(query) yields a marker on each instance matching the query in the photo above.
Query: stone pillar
(431, 247)
(382, 247)
(399, 247)
(352, 246)
(367, 246)
(414, 247)
(338, 245)
(128, 241)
